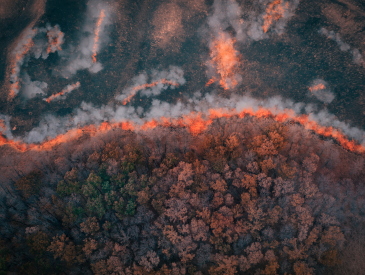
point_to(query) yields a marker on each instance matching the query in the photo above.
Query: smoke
(174, 74)
(23, 47)
(92, 39)
(356, 55)
(48, 40)
(224, 62)
(265, 19)
(63, 94)
(55, 39)
(5, 126)
(36, 43)
(320, 89)
(52, 126)
(159, 81)
(96, 38)
(258, 23)
(32, 88)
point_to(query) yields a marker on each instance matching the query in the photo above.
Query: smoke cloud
(87, 114)
(63, 94)
(37, 43)
(153, 84)
(224, 62)
(320, 89)
(92, 39)
(48, 40)
(32, 88)
(5, 126)
(264, 18)
(19, 53)
(356, 55)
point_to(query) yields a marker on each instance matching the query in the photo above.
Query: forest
(246, 196)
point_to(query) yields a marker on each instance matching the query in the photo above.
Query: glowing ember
(2, 125)
(211, 81)
(68, 89)
(225, 60)
(317, 87)
(196, 123)
(97, 30)
(144, 86)
(14, 89)
(55, 40)
(274, 11)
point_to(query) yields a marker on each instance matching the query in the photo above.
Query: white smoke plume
(63, 94)
(5, 126)
(36, 43)
(321, 90)
(80, 57)
(19, 54)
(356, 55)
(87, 114)
(139, 83)
(48, 40)
(248, 27)
(31, 88)
(248, 24)
(264, 19)
(174, 74)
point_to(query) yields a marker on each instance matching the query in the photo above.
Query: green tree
(96, 206)
(64, 189)
(89, 190)
(119, 207)
(130, 208)
(94, 179)
(110, 198)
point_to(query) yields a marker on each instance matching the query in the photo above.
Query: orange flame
(14, 88)
(55, 39)
(225, 59)
(97, 30)
(274, 11)
(68, 89)
(211, 81)
(2, 125)
(317, 87)
(196, 123)
(24, 49)
(144, 86)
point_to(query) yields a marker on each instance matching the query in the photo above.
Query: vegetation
(264, 198)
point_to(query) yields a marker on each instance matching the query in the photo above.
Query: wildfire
(55, 39)
(196, 123)
(20, 52)
(2, 125)
(225, 60)
(317, 87)
(68, 89)
(148, 85)
(211, 81)
(274, 11)
(97, 30)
